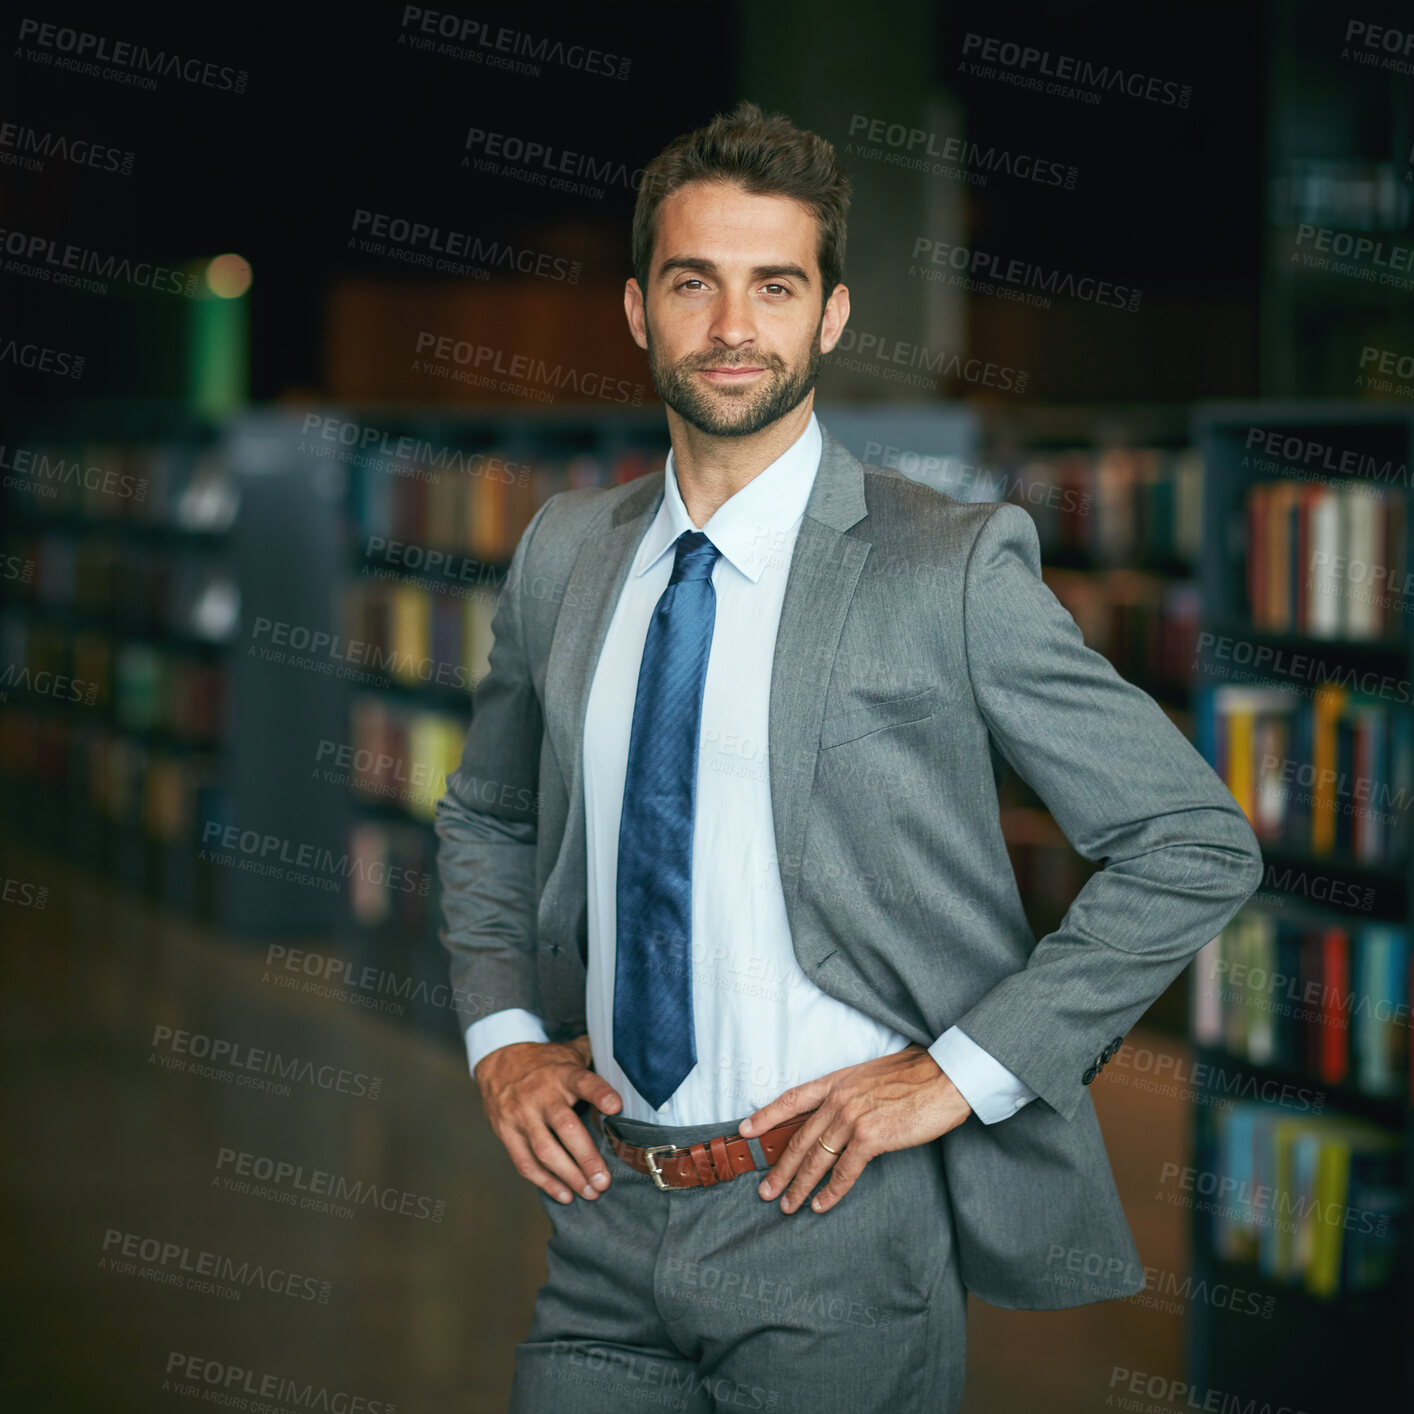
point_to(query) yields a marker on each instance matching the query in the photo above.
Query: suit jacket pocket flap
(860, 719)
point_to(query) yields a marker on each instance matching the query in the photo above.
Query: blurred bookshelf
(145, 738)
(1300, 1008)
(1337, 138)
(430, 522)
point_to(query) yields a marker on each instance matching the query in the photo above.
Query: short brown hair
(766, 155)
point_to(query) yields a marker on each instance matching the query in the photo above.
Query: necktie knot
(696, 555)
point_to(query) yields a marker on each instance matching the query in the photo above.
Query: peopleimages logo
(46, 684)
(330, 654)
(1085, 1269)
(1336, 892)
(84, 51)
(222, 1383)
(1262, 1204)
(212, 1273)
(867, 352)
(457, 250)
(1364, 43)
(226, 1054)
(323, 1190)
(547, 165)
(524, 369)
(324, 975)
(916, 149)
(982, 270)
(25, 894)
(39, 469)
(363, 445)
(41, 358)
(272, 851)
(28, 148)
(1082, 74)
(1180, 1394)
(1302, 667)
(440, 32)
(45, 258)
(1291, 450)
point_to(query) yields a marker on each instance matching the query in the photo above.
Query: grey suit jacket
(918, 651)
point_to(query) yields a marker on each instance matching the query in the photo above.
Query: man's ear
(834, 318)
(635, 312)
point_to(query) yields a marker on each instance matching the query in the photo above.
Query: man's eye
(781, 288)
(691, 280)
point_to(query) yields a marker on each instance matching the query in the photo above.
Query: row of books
(467, 500)
(1117, 506)
(1147, 626)
(178, 485)
(135, 785)
(403, 753)
(420, 636)
(1328, 561)
(137, 686)
(140, 588)
(1330, 774)
(1316, 1202)
(1329, 1000)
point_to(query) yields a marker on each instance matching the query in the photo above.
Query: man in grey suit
(724, 878)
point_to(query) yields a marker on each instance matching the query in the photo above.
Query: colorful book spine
(1331, 1001)
(1327, 561)
(1327, 775)
(1316, 1202)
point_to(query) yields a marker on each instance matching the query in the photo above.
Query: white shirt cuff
(981, 1079)
(505, 1028)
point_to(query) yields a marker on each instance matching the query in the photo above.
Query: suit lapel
(591, 594)
(824, 571)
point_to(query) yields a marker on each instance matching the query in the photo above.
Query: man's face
(733, 323)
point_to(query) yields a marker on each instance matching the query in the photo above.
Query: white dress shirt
(760, 1024)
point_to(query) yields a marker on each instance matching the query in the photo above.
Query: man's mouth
(731, 374)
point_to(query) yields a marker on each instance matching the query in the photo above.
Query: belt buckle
(650, 1154)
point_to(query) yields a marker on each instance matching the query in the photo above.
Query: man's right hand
(529, 1089)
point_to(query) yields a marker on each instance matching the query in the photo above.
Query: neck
(711, 470)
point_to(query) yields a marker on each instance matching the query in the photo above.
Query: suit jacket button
(1089, 1074)
(1106, 1054)
(1117, 1043)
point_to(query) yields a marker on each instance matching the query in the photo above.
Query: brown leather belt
(709, 1161)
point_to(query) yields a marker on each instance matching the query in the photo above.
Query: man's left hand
(895, 1102)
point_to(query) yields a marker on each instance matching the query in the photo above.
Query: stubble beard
(733, 412)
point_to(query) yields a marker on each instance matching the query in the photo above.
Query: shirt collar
(747, 526)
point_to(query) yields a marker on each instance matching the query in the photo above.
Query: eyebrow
(709, 267)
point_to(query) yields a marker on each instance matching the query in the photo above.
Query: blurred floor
(107, 1150)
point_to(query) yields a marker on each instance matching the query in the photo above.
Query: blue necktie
(653, 1029)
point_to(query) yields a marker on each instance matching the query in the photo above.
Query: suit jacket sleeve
(486, 823)
(1130, 793)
